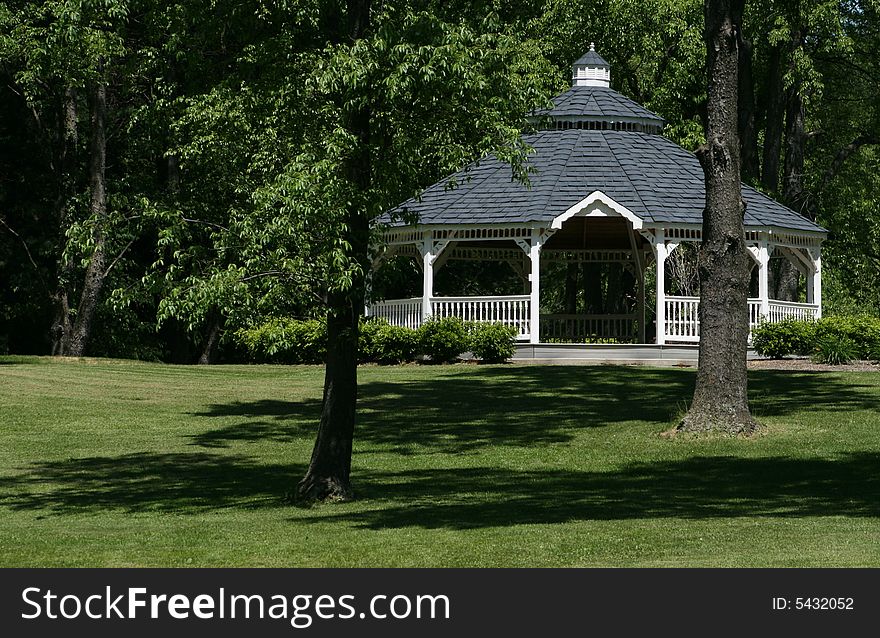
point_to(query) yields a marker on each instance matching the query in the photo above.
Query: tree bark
(61, 329)
(774, 122)
(787, 277)
(571, 288)
(721, 399)
(329, 473)
(95, 273)
(592, 277)
(793, 191)
(748, 134)
(211, 337)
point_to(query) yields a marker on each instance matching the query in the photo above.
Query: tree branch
(118, 257)
(845, 153)
(26, 250)
(199, 221)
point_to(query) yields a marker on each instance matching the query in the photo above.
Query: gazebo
(606, 190)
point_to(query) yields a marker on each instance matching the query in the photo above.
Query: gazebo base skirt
(643, 353)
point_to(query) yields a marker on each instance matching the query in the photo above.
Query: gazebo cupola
(608, 197)
(591, 70)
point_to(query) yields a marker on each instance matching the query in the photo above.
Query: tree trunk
(774, 122)
(571, 288)
(61, 329)
(721, 399)
(748, 134)
(795, 147)
(592, 276)
(793, 192)
(95, 273)
(329, 473)
(614, 290)
(211, 337)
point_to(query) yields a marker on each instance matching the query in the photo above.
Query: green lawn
(106, 463)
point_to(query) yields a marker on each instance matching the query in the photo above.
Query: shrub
(384, 343)
(285, 341)
(835, 349)
(443, 339)
(777, 340)
(856, 336)
(863, 331)
(493, 342)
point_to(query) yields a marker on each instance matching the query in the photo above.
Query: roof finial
(592, 46)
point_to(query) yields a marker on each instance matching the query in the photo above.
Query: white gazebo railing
(781, 310)
(587, 327)
(683, 322)
(398, 312)
(682, 319)
(511, 310)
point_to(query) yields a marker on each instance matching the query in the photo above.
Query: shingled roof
(591, 58)
(653, 177)
(598, 103)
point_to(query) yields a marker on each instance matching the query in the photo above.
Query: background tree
(209, 103)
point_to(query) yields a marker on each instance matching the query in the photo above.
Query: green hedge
(291, 341)
(829, 338)
(285, 341)
(443, 340)
(383, 343)
(493, 342)
(777, 340)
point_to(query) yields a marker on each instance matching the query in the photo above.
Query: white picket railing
(398, 312)
(683, 318)
(510, 310)
(754, 314)
(781, 310)
(587, 327)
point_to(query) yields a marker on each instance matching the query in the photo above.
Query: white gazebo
(605, 188)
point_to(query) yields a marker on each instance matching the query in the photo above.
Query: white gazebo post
(535, 289)
(814, 281)
(660, 314)
(427, 274)
(764, 278)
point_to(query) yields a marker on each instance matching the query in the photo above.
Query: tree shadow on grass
(695, 488)
(459, 412)
(460, 498)
(265, 420)
(148, 482)
(779, 393)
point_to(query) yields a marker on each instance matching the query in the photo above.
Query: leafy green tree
(59, 56)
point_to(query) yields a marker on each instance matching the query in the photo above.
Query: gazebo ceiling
(588, 233)
(651, 176)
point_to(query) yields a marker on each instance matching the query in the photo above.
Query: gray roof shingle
(591, 58)
(599, 103)
(650, 175)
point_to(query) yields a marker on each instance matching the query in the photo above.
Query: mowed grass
(110, 463)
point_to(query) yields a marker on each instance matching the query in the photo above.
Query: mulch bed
(805, 365)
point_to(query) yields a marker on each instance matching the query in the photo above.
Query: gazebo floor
(640, 353)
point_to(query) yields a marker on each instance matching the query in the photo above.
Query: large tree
(347, 117)
(407, 85)
(721, 396)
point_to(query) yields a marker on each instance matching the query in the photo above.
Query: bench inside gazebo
(611, 208)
